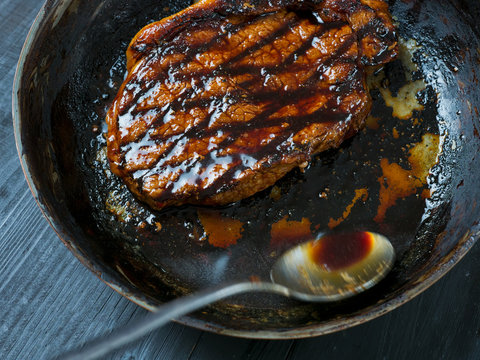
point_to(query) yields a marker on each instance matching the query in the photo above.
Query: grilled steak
(224, 98)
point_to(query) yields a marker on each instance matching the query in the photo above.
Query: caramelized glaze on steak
(224, 98)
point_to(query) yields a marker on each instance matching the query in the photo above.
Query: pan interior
(408, 175)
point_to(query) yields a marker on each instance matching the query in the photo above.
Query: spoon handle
(99, 347)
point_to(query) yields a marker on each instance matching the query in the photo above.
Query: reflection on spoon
(331, 268)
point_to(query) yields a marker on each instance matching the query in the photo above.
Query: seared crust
(224, 98)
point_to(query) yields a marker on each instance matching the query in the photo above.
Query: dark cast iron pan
(69, 71)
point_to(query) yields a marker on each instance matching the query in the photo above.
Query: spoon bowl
(334, 266)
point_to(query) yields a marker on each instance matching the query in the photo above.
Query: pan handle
(99, 347)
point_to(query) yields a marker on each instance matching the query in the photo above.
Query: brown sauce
(337, 251)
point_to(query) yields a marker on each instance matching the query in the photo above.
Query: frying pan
(410, 174)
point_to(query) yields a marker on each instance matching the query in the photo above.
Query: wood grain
(49, 302)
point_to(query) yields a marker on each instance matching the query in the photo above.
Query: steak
(225, 97)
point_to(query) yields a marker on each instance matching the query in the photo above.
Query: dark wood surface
(49, 302)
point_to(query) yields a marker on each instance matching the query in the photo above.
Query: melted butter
(406, 50)
(360, 194)
(290, 232)
(398, 183)
(424, 155)
(222, 232)
(405, 102)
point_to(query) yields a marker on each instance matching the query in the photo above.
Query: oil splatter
(290, 232)
(221, 231)
(398, 183)
(254, 278)
(276, 193)
(426, 194)
(360, 194)
(114, 205)
(395, 133)
(372, 122)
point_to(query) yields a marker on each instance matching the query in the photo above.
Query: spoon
(331, 268)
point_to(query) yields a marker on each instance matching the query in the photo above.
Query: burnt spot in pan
(410, 174)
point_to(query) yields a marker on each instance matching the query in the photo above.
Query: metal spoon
(332, 267)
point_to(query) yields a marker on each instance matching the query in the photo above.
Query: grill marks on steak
(224, 98)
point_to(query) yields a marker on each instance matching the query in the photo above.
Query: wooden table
(49, 302)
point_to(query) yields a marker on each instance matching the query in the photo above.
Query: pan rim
(420, 285)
